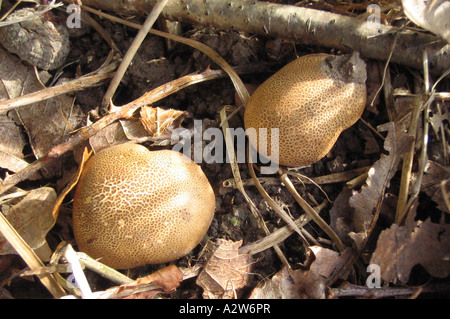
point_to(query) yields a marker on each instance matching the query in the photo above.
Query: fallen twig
(29, 256)
(47, 93)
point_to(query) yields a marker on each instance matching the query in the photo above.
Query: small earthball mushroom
(311, 101)
(134, 207)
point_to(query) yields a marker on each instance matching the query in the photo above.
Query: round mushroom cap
(134, 207)
(310, 101)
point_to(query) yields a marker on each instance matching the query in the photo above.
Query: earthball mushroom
(134, 207)
(310, 101)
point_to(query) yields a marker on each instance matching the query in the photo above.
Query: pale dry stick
(90, 263)
(324, 179)
(28, 255)
(132, 51)
(237, 177)
(103, 270)
(438, 95)
(311, 212)
(302, 177)
(48, 93)
(277, 208)
(408, 160)
(13, 195)
(351, 290)
(357, 181)
(279, 235)
(423, 158)
(77, 271)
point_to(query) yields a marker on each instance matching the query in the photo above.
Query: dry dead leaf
(31, 217)
(133, 129)
(280, 286)
(158, 121)
(324, 265)
(341, 216)
(400, 248)
(13, 75)
(48, 122)
(110, 135)
(304, 283)
(225, 272)
(165, 280)
(434, 174)
(70, 184)
(168, 278)
(368, 201)
(13, 139)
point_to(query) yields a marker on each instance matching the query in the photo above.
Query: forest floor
(412, 257)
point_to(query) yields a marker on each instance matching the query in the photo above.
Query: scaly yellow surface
(134, 207)
(311, 101)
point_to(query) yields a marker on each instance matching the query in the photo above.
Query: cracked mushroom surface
(134, 207)
(310, 101)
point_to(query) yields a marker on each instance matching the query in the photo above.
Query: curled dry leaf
(225, 272)
(367, 202)
(165, 280)
(155, 124)
(400, 248)
(304, 283)
(280, 286)
(31, 217)
(158, 121)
